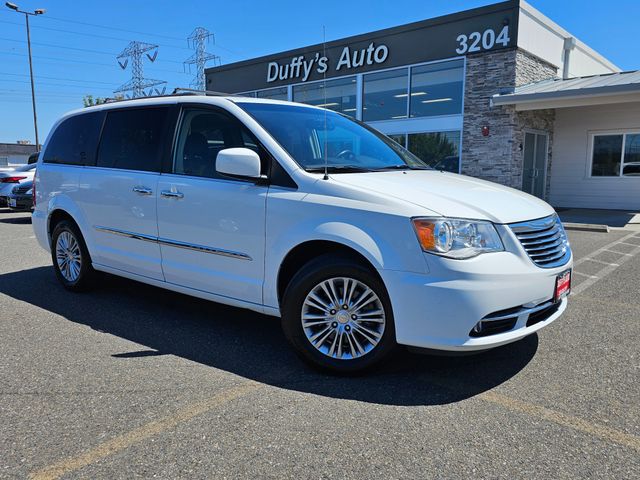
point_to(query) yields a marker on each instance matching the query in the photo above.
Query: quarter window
(616, 155)
(203, 134)
(74, 142)
(132, 139)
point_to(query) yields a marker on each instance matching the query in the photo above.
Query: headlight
(29, 192)
(457, 238)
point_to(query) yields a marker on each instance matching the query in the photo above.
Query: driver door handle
(170, 194)
(142, 190)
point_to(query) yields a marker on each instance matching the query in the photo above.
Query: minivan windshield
(313, 136)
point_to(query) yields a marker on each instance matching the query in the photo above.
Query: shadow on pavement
(21, 220)
(251, 345)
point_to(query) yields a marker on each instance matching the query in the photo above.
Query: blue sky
(74, 55)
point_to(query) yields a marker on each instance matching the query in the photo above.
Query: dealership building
(500, 92)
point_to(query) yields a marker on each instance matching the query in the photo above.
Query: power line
(38, 82)
(156, 35)
(100, 52)
(94, 35)
(56, 78)
(64, 60)
(78, 22)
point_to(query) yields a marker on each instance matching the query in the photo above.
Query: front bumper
(439, 310)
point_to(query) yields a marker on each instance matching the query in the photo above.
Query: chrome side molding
(174, 243)
(124, 233)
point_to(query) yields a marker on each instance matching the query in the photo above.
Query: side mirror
(239, 163)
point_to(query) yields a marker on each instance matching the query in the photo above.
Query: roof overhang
(574, 97)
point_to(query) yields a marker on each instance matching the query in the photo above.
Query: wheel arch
(304, 252)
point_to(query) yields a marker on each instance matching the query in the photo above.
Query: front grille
(544, 240)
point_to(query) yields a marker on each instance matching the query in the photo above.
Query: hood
(452, 195)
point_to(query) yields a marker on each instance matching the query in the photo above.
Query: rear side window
(75, 140)
(132, 139)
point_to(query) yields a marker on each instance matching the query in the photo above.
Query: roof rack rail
(176, 92)
(192, 91)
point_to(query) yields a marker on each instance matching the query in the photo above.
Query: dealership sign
(466, 33)
(300, 68)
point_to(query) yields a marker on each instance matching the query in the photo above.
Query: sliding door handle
(170, 194)
(142, 190)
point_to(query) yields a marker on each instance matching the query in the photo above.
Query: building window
(616, 155)
(385, 95)
(339, 95)
(279, 93)
(440, 150)
(436, 89)
(399, 138)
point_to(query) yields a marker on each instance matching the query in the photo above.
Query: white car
(303, 213)
(12, 177)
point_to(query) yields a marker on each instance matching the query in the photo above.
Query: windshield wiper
(403, 166)
(339, 169)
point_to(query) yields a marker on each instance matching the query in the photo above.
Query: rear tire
(337, 315)
(71, 260)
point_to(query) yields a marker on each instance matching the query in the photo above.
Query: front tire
(337, 315)
(71, 260)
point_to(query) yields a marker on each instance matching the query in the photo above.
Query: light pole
(37, 11)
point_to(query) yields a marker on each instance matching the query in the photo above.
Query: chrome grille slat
(537, 241)
(548, 246)
(538, 234)
(544, 240)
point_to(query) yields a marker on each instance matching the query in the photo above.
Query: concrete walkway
(629, 220)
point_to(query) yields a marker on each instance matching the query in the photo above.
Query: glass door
(534, 173)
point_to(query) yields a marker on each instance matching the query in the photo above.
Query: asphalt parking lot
(131, 381)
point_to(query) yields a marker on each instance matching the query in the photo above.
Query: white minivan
(302, 213)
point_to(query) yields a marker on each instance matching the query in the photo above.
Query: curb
(586, 227)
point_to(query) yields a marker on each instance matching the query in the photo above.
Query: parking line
(603, 249)
(606, 433)
(584, 274)
(589, 259)
(141, 433)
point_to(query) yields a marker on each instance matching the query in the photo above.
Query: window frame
(284, 179)
(601, 133)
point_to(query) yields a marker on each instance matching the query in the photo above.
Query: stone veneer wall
(498, 157)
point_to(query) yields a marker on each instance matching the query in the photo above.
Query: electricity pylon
(198, 40)
(137, 84)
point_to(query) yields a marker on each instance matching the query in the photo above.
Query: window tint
(203, 134)
(607, 154)
(75, 140)
(132, 139)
